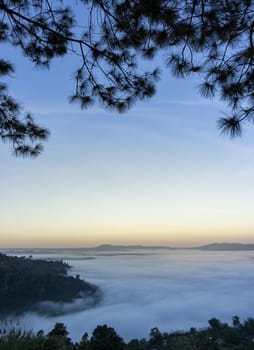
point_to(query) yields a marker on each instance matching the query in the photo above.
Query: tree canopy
(30, 284)
(212, 38)
(221, 337)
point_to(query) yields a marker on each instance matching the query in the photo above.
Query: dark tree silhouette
(106, 338)
(58, 338)
(213, 39)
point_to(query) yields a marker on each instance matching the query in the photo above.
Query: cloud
(195, 102)
(173, 290)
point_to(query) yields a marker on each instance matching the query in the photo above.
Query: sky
(160, 174)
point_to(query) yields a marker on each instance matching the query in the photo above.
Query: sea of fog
(168, 289)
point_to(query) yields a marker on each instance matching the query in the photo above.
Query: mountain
(105, 247)
(226, 247)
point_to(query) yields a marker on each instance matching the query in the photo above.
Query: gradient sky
(158, 174)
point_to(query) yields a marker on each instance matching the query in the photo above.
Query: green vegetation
(218, 336)
(213, 40)
(25, 282)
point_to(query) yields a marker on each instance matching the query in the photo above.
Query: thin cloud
(197, 102)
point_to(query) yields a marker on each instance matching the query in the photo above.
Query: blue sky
(158, 174)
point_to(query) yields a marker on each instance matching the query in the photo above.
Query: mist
(171, 290)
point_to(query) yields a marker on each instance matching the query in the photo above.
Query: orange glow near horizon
(74, 239)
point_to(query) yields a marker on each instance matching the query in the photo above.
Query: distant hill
(111, 248)
(209, 247)
(105, 247)
(226, 247)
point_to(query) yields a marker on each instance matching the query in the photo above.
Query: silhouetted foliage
(215, 323)
(84, 342)
(25, 282)
(213, 39)
(58, 338)
(106, 338)
(156, 338)
(224, 337)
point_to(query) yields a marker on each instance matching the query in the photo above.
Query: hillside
(25, 282)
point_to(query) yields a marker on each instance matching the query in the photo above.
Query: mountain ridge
(226, 246)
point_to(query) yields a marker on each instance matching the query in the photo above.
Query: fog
(172, 290)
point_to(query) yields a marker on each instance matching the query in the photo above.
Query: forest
(25, 282)
(217, 336)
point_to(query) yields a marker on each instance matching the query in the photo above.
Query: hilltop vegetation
(25, 282)
(218, 336)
